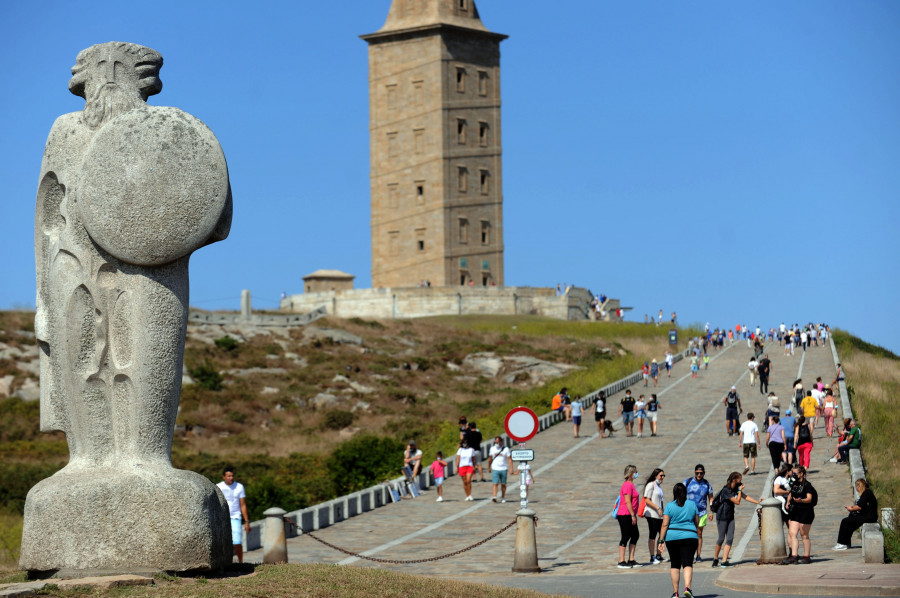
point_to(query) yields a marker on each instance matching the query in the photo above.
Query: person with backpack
(803, 437)
(723, 506)
(802, 502)
(626, 515)
(732, 402)
(699, 490)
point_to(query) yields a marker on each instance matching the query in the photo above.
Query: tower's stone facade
(436, 176)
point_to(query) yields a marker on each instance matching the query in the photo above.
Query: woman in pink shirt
(626, 515)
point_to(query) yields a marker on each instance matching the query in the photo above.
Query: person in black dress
(802, 501)
(864, 511)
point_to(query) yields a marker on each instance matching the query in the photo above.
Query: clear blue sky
(730, 161)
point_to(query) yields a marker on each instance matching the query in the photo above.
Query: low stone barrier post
(773, 549)
(274, 539)
(525, 560)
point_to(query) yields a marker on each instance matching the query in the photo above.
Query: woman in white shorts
(651, 410)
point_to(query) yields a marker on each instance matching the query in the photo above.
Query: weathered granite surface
(127, 192)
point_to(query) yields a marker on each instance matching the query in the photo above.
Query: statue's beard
(107, 102)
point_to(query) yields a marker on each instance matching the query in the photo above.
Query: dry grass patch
(312, 581)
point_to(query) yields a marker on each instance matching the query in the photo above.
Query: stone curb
(814, 580)
(30, 588)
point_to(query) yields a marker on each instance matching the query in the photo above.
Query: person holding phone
(729, 497)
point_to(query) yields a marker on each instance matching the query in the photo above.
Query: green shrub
(226, 343)
(338, 419)
(369, 323)
(363, 461)
(10, 539)
(237, 417)
(207, 376)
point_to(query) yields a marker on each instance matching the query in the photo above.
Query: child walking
(437, 470)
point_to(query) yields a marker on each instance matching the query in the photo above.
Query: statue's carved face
(114, 77)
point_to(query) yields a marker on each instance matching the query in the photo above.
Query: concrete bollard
(525, 560)
(773, 549)
(274, 541)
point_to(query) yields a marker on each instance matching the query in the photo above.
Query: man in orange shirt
(557, 403)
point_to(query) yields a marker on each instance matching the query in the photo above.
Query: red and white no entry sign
(521, 424)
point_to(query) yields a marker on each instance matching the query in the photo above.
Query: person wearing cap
(732, 402)
(789, 423)
(700, 491)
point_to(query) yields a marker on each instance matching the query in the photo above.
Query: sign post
(522, 425)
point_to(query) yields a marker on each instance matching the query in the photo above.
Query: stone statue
(127, 192)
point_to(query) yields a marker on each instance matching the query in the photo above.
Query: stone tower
(434, 111)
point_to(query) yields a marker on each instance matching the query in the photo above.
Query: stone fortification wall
(416, 302)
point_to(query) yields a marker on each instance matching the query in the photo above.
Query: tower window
(419, 93)
(485, 232)
(462, 180)
(482, 134)
(484, 182)
(463, 231)
(419, 138)
(460, 79)
(420, 239)
(392, 189)
(394, 242)
(482, 83)
(461, 131)
(420, 191)
(391, 96)
(393, 144)
(464, 5)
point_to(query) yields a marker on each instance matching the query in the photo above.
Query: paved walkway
(576, 484)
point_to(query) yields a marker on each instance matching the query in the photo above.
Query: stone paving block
(104, 583)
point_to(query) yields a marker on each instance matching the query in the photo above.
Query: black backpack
(732, 397)
(716, 502)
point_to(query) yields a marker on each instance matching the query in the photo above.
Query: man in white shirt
(237, 507)
(749, 433)
(498, 467)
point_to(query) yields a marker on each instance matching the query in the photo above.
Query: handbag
(642, 506)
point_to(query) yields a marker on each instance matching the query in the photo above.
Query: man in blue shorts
(626, 411)
(237, 507)
(700, 491)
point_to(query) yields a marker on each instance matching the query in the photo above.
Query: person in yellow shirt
(808, 407)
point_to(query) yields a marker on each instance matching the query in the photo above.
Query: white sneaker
(502, 500)
(440, 499)
(833, 460)
(840, 547)
(469, 497)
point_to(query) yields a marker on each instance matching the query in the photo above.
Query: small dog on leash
(608, 428)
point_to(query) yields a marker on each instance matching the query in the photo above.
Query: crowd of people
(675, 526)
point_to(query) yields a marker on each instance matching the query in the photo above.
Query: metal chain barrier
(414, 561)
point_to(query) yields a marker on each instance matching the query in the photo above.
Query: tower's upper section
(412, 15)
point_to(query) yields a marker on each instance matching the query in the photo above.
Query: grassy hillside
(873, 381)
(257, 401)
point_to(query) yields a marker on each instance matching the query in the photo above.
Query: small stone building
(327, 280)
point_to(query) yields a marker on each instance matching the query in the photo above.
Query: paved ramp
(577, 481)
